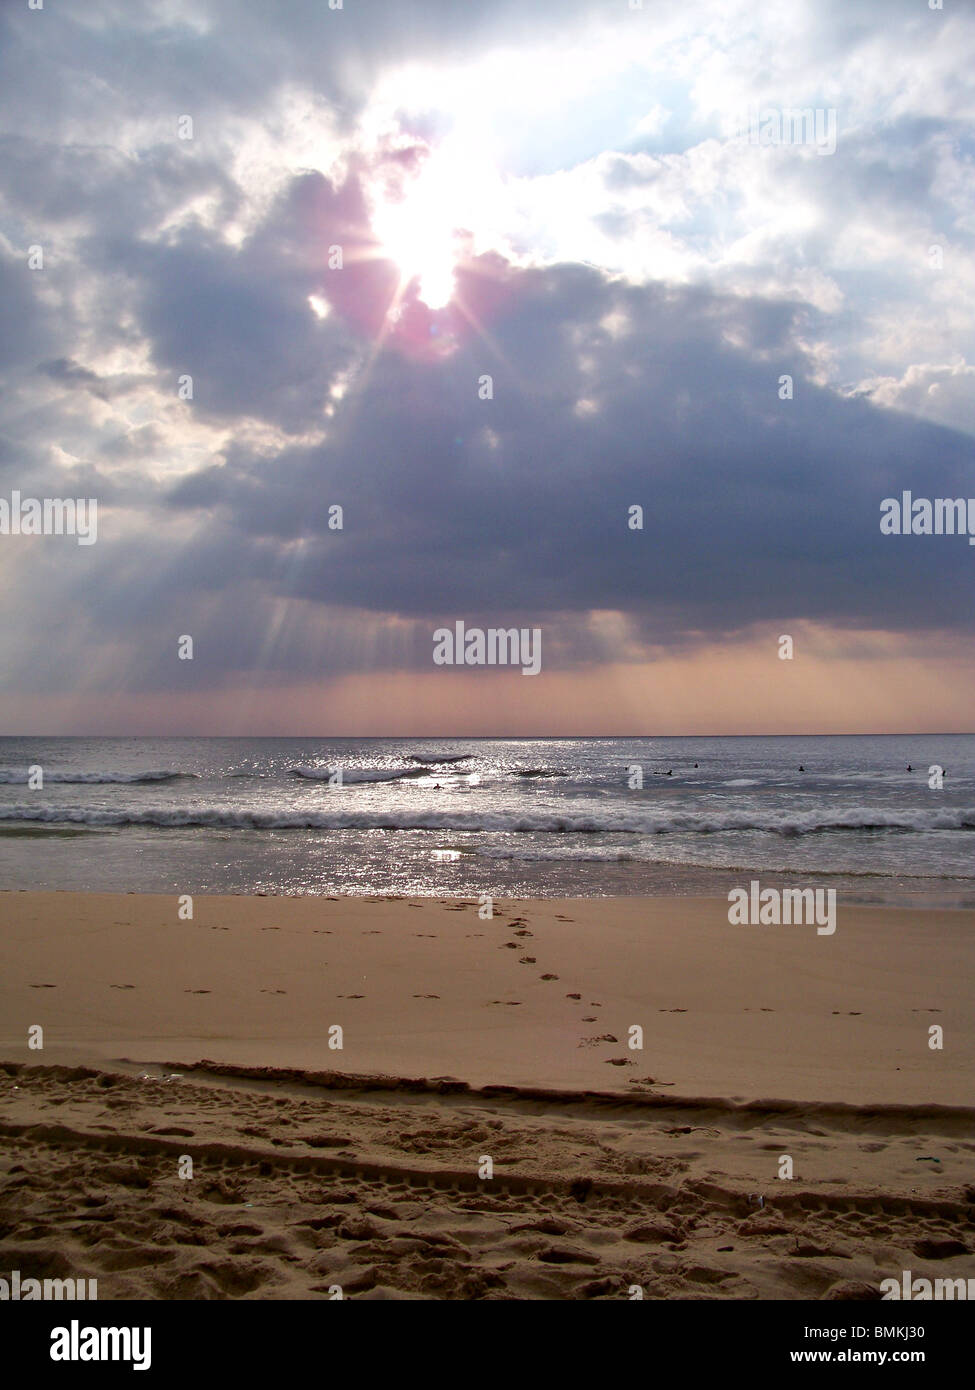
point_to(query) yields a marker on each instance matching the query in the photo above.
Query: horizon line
(498, 738)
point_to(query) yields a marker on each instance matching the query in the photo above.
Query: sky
(486, 277)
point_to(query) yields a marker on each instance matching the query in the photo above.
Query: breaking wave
(431, 761)
(356, 775)
(648, 823)
(17, 778)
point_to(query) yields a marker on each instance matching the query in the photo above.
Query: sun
(417, 232)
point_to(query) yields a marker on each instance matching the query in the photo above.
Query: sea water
(507, 817)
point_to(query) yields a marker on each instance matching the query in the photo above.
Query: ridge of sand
(295, 1194)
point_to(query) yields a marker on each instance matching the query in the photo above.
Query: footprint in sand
(548, 977)
(121, 986)
(350, 996)
(43, 986)
(527, 960)
(425, 996)
(589, 1018)
(619, 1062)
(509, 946)
(196, 991)
(270, 929)
(274, 991)
(573, 996)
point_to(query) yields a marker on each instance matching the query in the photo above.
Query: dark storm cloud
(245, 335)
(238, 321)
(754, 506)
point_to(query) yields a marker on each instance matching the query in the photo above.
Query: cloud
(635, 285)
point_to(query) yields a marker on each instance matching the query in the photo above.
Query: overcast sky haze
(555, 195)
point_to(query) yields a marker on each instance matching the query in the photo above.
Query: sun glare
(418, 234)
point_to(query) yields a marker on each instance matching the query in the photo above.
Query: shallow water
(511, 817)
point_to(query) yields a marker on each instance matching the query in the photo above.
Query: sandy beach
(466, 1039)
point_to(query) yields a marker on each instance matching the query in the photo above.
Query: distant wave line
(809, 823)
(13, 777)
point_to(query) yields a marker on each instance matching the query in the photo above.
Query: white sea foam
(641, 822)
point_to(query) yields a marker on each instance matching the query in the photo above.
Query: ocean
(506, 817)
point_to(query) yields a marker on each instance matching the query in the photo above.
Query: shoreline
(650, 881)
